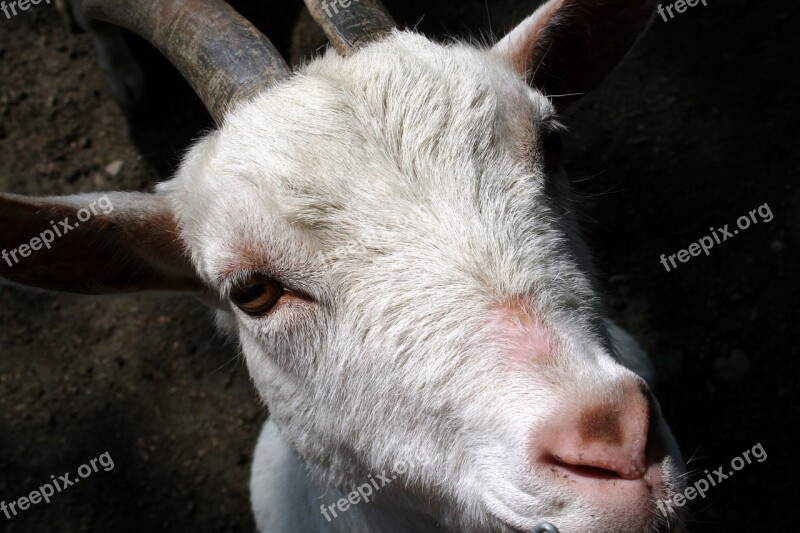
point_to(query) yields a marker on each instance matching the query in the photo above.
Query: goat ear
(567, 47)
(94, 244)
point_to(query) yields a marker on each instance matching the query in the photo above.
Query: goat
(388, 232)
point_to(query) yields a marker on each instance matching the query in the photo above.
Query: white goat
(463, 328)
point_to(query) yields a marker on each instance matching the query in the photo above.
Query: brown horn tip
(224, 57)
(352, 24)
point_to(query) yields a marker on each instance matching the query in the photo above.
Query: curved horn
(224, 57)
(351, 24)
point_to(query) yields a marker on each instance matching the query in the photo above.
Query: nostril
(600, 469)
(600, 441)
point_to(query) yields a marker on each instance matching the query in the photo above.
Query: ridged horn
(224, 57)
(351, 24)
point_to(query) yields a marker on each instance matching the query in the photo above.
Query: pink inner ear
(135, 246)
(520, 45)
(567, 47)
(527, 337)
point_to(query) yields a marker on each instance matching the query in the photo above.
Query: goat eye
(256, 295)
(552, 149)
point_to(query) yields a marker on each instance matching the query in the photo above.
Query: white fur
(286, 500)
(412, 150)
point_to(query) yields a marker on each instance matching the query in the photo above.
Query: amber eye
(553, 150)
(257, 294)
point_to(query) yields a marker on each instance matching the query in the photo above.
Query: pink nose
(601, 439)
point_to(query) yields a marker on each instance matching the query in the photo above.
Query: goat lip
(654, 526)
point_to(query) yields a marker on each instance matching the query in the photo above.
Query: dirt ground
(696, 128)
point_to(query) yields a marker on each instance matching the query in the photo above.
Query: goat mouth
(539, 528)
(548, 527)
(598, 522)
(545, 527)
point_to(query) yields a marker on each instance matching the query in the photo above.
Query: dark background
(697, 127)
